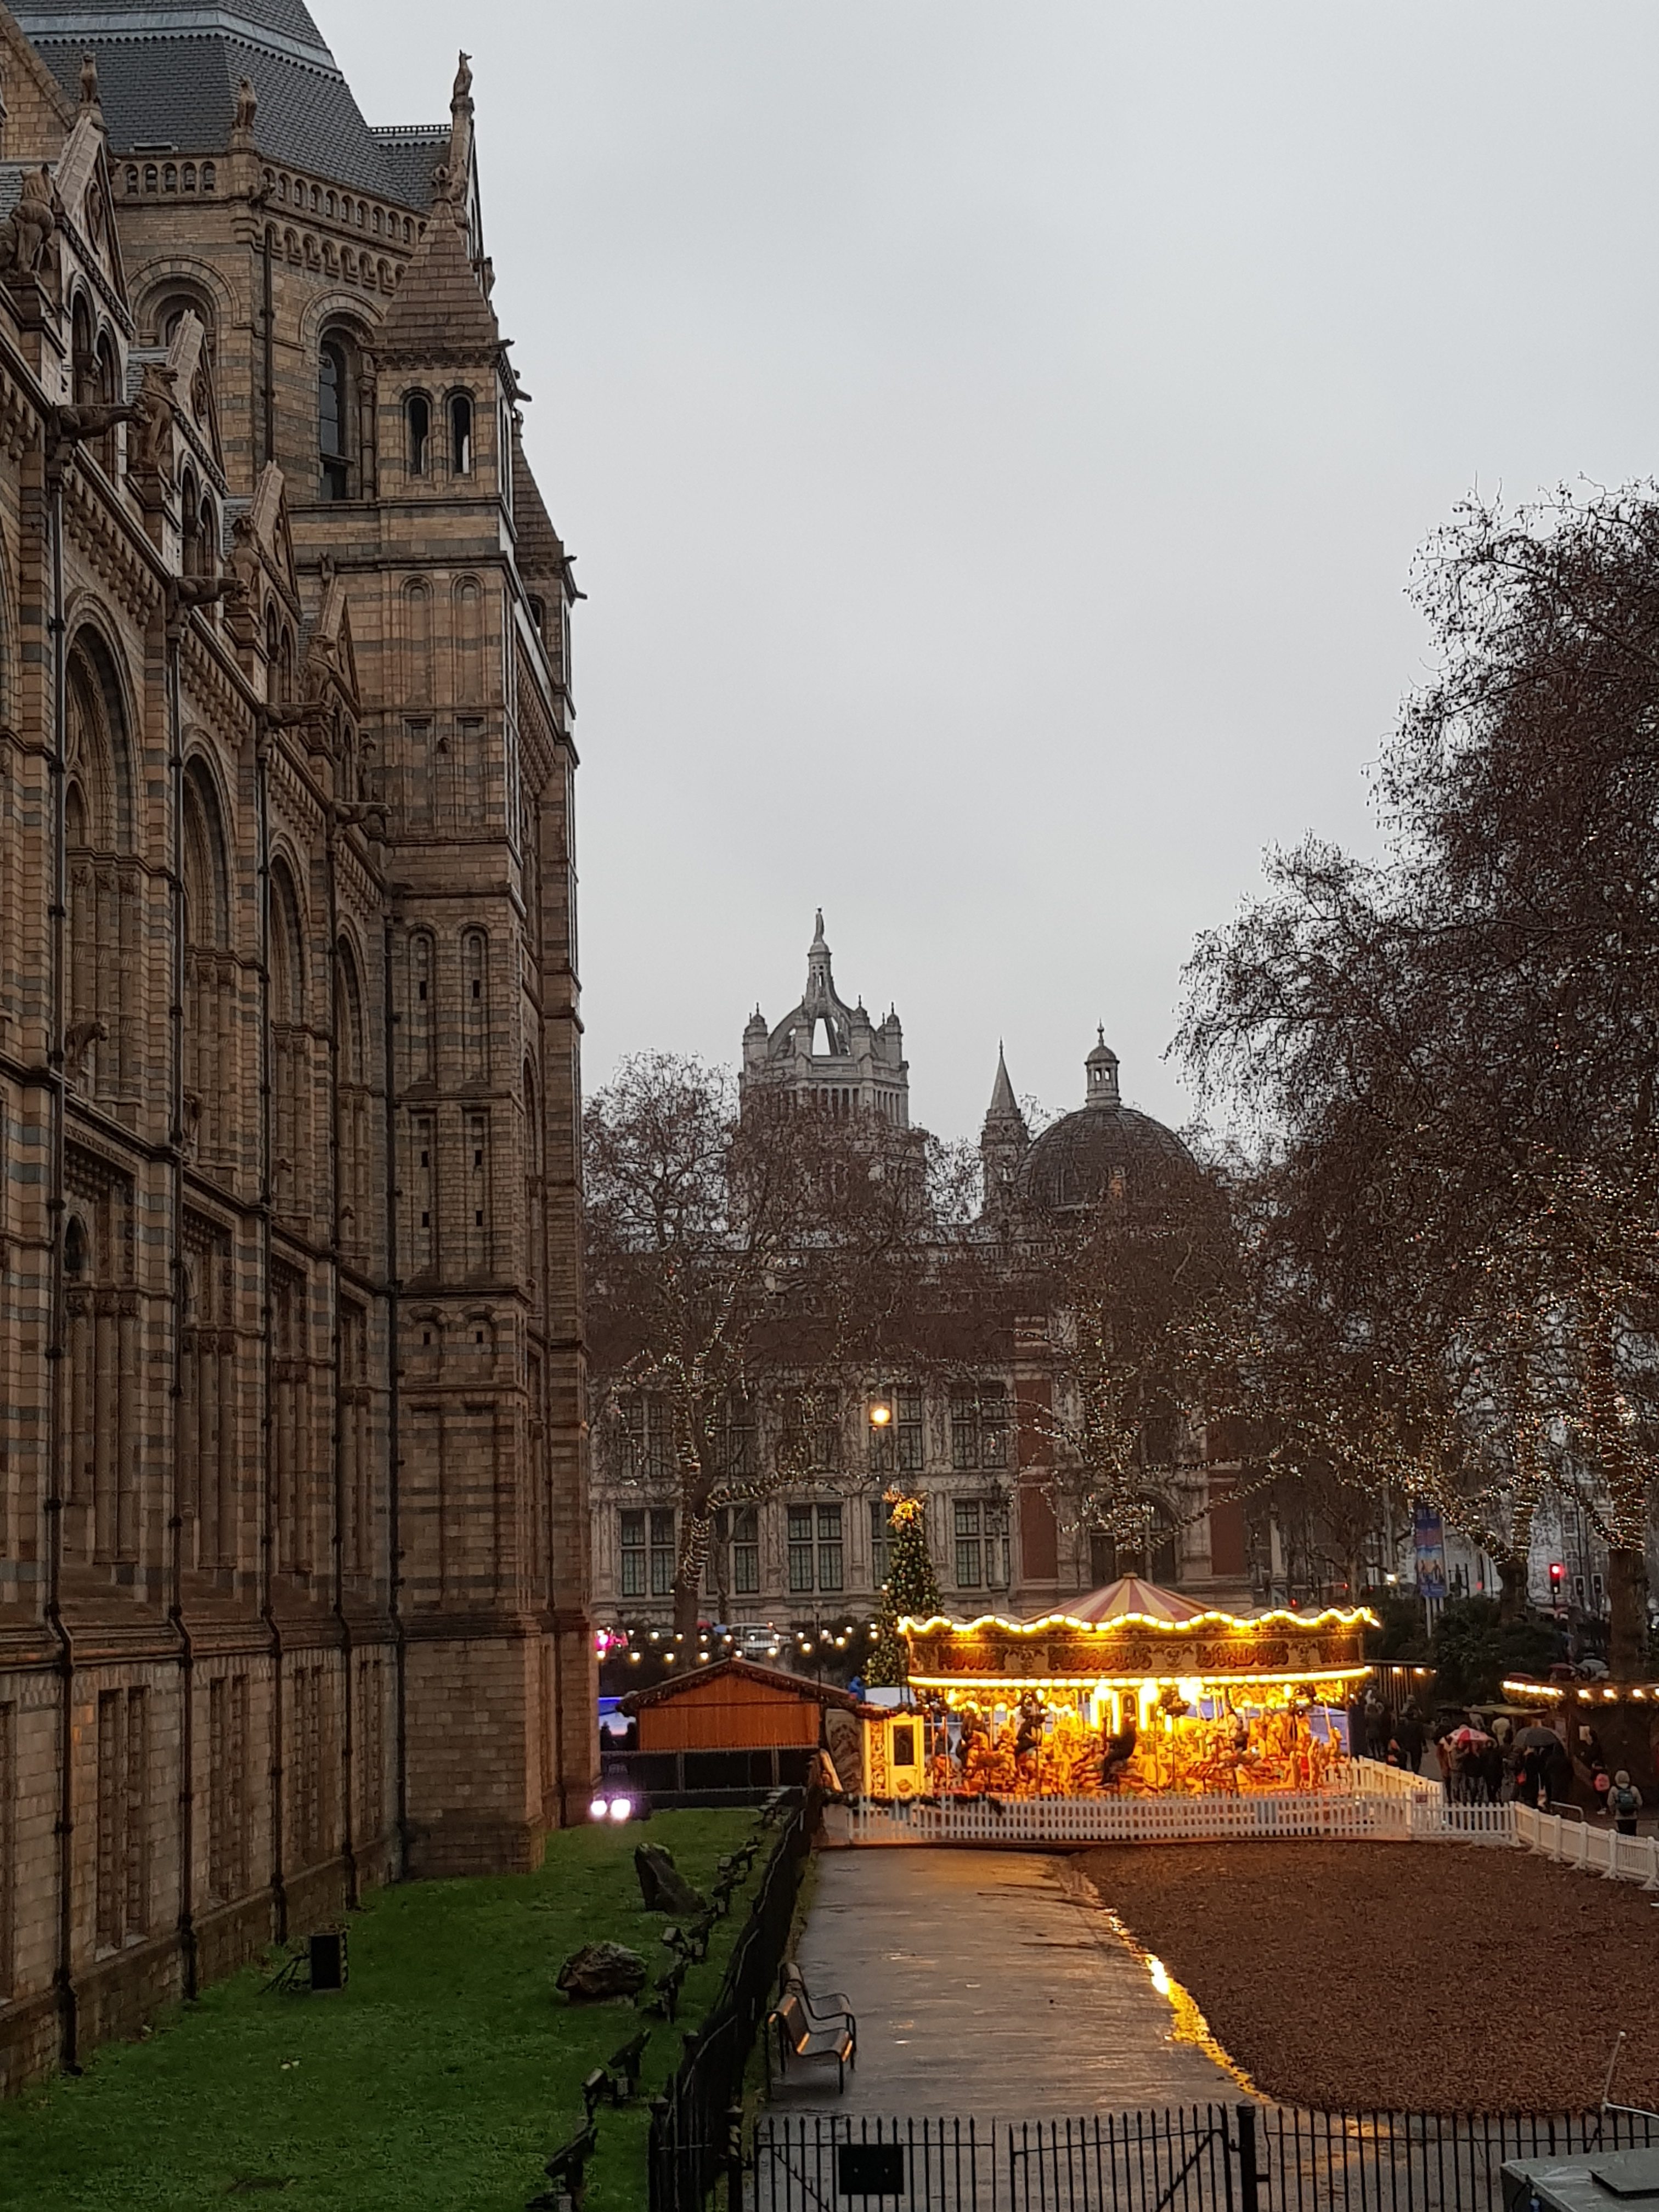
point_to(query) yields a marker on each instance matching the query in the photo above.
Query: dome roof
(1098, 1152)
(1105, 1149)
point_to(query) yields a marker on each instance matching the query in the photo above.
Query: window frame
(462, 421)
(417, 434)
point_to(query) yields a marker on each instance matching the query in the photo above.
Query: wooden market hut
(735, 1726)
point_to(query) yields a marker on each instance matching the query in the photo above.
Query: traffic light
(1557, 1575)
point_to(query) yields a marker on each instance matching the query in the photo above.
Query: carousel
(1133, 1692)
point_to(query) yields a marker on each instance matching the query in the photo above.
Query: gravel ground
(1408, 1977)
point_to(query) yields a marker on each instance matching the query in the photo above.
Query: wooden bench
(821, 2010)
(799, 2037)
(568, 2171)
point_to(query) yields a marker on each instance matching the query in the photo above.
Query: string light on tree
(911, 1587)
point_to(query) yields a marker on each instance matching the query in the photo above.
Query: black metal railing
(692, 2142)
(1205, 2158)
(675, 1778)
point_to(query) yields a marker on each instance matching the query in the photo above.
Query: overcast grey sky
(996, 439)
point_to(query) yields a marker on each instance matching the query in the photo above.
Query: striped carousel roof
(1129, 1597)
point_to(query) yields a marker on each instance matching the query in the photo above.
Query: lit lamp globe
(881, 1414)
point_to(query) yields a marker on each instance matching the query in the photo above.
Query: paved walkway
(988, 1983)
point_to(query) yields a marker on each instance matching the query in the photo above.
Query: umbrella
(1464, 1737)
(1536, 1738)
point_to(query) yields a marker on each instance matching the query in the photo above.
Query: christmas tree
(911, 1587)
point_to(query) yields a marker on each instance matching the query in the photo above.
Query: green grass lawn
(441, 2076)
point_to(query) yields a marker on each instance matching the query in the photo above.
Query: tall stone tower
(1004, 1141)
(828, 1052)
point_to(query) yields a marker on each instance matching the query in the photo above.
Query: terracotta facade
(293, 1529)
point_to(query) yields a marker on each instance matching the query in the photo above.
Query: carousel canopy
(1129, 1598)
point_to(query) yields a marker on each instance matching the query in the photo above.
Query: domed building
(975, 1436)
(1107, 1155)
(1104, 1150)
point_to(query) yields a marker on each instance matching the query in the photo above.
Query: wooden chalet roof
(745, 1670)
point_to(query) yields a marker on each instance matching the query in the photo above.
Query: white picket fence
(1378, 1804)
(1038, 1820)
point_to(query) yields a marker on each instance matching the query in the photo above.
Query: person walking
(1378, 1726)
(1528, 1776)
(1624, 1802)
(1410, 1735)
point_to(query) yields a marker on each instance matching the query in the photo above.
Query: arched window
(77, 1250)
(422, 1030)
(533, 1180)
(460, 434)
(332, 420)
(475, 1003)
(469, 642)
(210, 1014)
(172, 309)
(417, 641)
(417, 420)
(190, 519)
(207, 537)
(107, 381)
(1156, 1557)
(103, 886)
(292, 1150)
(351, 1195)
(84, 360)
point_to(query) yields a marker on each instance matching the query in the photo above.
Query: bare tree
(745, 1270)
(1448, 1059)
(1142, 1286)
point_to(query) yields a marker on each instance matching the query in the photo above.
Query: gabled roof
(745, 1670)
(167, 73)
(438, 312)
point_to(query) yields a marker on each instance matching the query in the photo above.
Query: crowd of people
(1493, 1760)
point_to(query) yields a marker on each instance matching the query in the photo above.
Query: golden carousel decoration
(1133, 1692)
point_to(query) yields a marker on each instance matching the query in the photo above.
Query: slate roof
(167, 71)
(410, 152)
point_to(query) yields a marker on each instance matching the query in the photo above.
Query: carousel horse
(1117, 1753)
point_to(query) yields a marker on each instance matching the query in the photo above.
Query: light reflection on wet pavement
(992, 1983)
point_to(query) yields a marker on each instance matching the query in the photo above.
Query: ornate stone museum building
(293, 1521)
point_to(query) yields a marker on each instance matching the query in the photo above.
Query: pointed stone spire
(1003, 1143)
(438, 314)
(1003, 1100)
